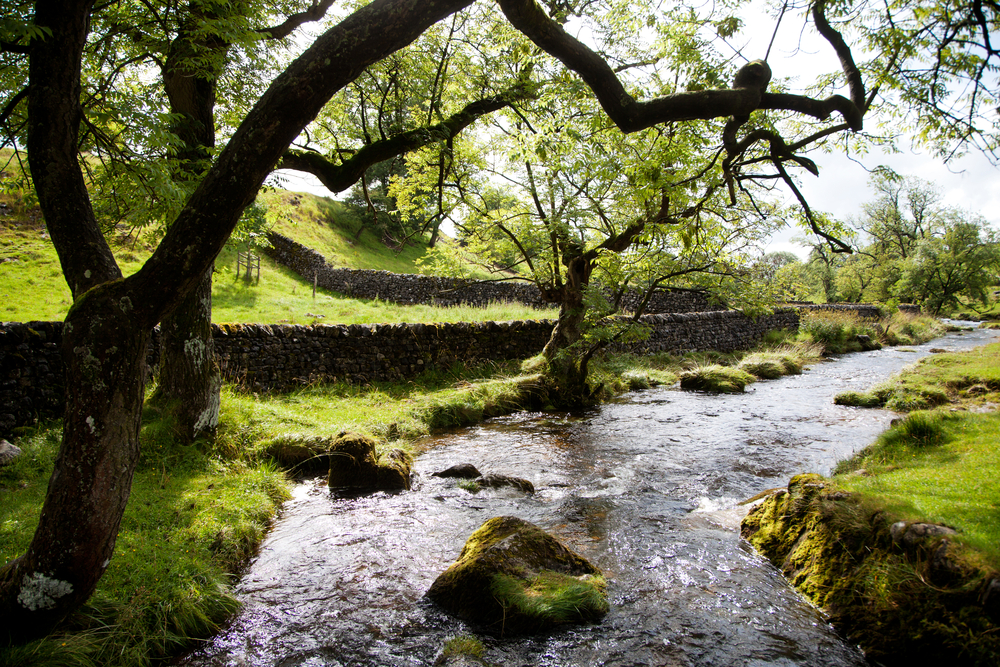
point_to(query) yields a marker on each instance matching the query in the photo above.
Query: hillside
(32, 286)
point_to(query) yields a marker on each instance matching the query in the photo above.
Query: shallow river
(645, 487)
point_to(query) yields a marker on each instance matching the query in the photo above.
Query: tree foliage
(910, 248)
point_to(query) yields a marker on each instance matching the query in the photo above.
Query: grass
(833, 538)
(838, 332)
(938, 467)
(737, 370)
(552, 597)
(716, 378)
(463, 645)
(941, 464)
(32, 286)
(192, 521)
(971, 378)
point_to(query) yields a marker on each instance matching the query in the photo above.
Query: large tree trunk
(566, 361)
(106, 331)
(189, 380)
(105, 361)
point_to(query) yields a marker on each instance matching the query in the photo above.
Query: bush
(838, 332)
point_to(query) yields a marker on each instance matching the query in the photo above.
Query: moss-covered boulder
(514, 578)
(907, 593)
(494, 481)
(357, 464)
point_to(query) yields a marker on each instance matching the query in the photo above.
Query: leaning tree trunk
(104, 355)
(189, 379)
(107, 329)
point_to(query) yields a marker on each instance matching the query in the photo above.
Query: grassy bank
(820, 333)
(32, 286)
(902, 545)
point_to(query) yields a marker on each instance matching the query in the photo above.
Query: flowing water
(645, 487)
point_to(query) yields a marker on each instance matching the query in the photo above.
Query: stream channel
(646, 487)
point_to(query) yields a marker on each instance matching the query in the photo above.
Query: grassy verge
(840, 332)
(902, 546)
(940, 465)
(969, 379)
(32, 286)
(193, 520)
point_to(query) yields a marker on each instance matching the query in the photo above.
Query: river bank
(198, 513)
(902, 545)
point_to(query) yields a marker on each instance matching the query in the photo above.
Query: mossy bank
(902, 546)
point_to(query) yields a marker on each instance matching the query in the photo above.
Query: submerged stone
(514, 578)
(355, 464)
(461, 470)
(497, 481)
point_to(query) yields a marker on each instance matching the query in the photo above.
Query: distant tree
(961, 263)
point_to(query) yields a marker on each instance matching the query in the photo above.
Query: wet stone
(461, 470)
(497, 481)
(908, 535)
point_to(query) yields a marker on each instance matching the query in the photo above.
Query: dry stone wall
(31, 373)
(410, 288)
(283, 356)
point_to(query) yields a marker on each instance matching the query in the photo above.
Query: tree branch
(630, 115)
(314, 13)
(339, 177)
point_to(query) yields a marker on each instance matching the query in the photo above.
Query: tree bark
(189, 382)
(104, 350)
(567, 364)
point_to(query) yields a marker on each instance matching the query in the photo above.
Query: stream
(646, 487)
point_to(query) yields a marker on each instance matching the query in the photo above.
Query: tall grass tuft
(838, 331)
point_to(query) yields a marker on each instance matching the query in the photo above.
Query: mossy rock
(355, 463)
(765, 367)
(514, 578)
(858, 399)
(904, 603)
(301, 455)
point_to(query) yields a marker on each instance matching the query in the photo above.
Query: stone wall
(31, 373)
(409, 288)
(283, 356)
(722, 330)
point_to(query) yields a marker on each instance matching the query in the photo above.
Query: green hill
(32, 286)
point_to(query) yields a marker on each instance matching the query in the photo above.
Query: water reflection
(646, 487)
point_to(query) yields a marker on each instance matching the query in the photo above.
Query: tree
(961, 262)
(419, 100)
(910, 248)
(107, 329)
